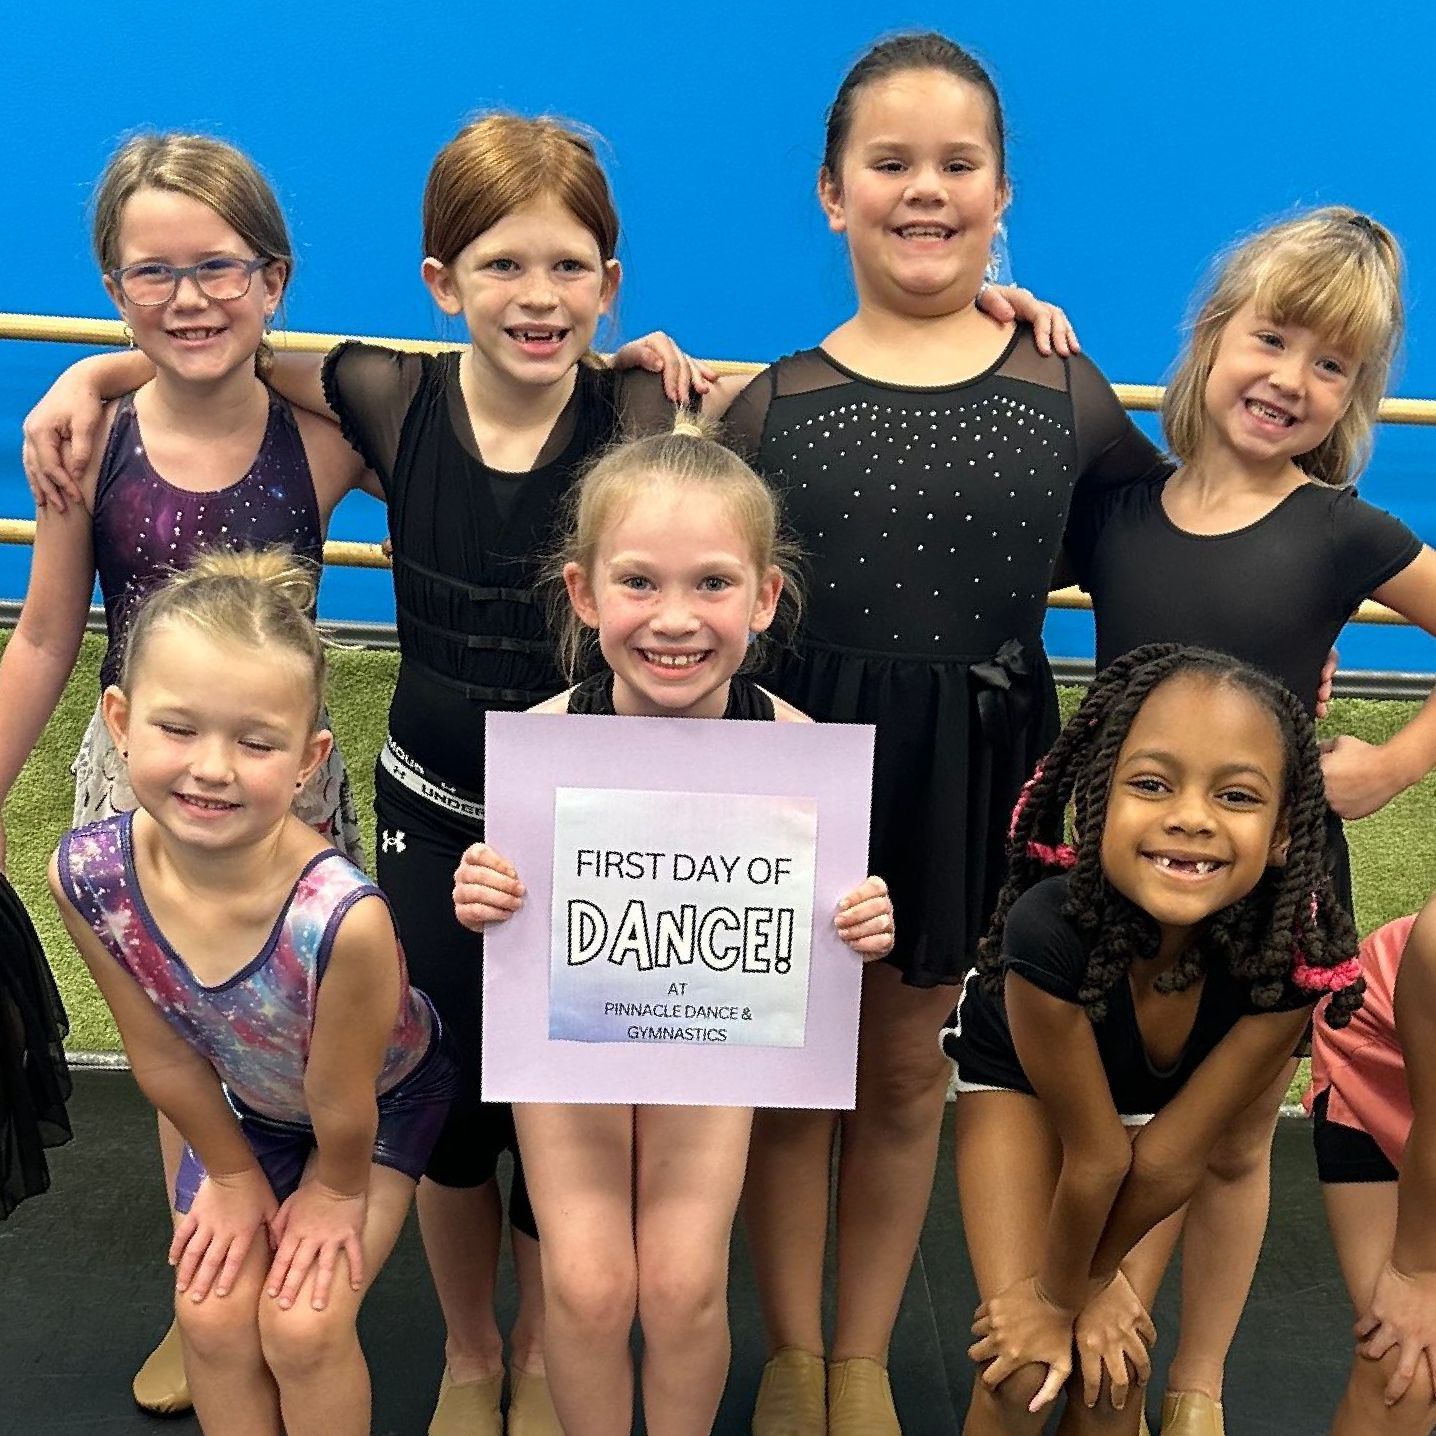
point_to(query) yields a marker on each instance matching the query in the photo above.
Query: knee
(677, 1298)
(904, 1093)
(219, 1328)
(596, 1297)
(1242, 1153)
(299, 1341)
(1011, 1399)
(1364, 1404)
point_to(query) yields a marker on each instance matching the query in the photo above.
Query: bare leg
(785, 1214)
(887, 1156)
(160, 1385)
(461, 1227)
(579, 1162)
(318, 1366)
(1222, 1241)
(526, 1338)
(1008, 1159)
(234, 1392)
(690, 1163)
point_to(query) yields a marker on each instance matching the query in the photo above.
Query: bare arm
(1362, 777)
(1170, 1153)
(299, 378)
(40, 655)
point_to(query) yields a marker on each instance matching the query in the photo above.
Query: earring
(298, 784)
(997, 256)
(125, 754)
(129, 336)
(268, 324)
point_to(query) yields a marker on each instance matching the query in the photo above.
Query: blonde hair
(258, 599)
(1332, 270)
(501, 162)
(216, 174)
(687, 457)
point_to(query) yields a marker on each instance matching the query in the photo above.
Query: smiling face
(193, 337)
(1274, 391)
(1194, 816)
(919, 192)
(531, 290)
(219, 737)
(675, 595)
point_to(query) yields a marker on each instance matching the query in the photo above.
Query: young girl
(197, 450)
(928, 454)
(1258, 546)
(474, 452)
(260, 990)
(1372, 1099)
(1152, 977)
(673, 560)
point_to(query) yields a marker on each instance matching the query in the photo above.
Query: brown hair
(1332, 270)
(206, 169)
(900, 54)
(254, 598)
(500, 162)
(686, 458)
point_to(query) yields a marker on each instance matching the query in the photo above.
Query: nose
(211, 761)
(1288, 371)
(924, 185)
(675, 616)
(1189, 812)
(538, 291)
(188, 294)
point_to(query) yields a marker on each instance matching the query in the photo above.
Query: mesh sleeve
(643, 407)
(1370, 545)
(747, 416)
(370, 389)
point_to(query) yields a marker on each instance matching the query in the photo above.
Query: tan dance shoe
(860, 1399)
(1191, 1413)
(160, 1385)
(1142, 1428)
(791, 1396)
(468, 1408)
(531, 1410)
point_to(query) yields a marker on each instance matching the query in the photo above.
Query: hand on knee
(1367, 1392)
(1013, 1396)
(219, 1328)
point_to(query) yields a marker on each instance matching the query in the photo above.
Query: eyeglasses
(151, 283)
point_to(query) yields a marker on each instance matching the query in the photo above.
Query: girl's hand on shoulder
(59, 437)
(314, 1227)
(486, 888)
(865, 920)
(1402, 1314)
(682, 376)
(214, 1236)
(1360, 777)
(1020, 1327)
(1114, 1335)
(1051, 329)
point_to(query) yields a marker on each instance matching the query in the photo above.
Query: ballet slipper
(531, 1410)
(160, 1385)
(468, 1408)
(1191, 1413)
(1142, 1428)
(860, 1399)
(791, 1396)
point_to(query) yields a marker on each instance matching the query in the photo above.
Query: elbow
(1169, 1176)
(1099, 1169)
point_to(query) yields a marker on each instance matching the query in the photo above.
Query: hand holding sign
(865, 920)
(486, 888)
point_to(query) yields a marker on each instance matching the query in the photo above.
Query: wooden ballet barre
(62, 329)
(344, 553)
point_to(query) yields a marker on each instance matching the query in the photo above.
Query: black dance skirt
(34, 1080)
(956, 740)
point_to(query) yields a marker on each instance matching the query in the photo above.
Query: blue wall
(1143, 137)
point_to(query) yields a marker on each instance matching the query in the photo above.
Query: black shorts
(1346, 1154)
(419, 845)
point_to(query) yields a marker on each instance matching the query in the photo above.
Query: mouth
(193, 802)
(1186, 867)
(674, 663)
(195, 334)
(1270, 414)
(537, 340)
(927, 231)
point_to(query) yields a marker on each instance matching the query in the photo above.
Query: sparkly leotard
(145, 527)
(931, 519)
(254, 1028)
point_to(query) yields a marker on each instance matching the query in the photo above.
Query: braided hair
(1289, 929)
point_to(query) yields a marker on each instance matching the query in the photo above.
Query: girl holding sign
(673, 561)
(1138, 989)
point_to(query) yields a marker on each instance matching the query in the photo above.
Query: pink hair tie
(1022, 801)
(1325, 979)
(1064, 855)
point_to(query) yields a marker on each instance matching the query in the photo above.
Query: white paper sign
(681, 918)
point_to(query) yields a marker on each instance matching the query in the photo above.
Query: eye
(1335, 367)
(502, 265)
(889, 167)
(175, 730)
(959, 166)
(1241, 798)
(149, 271)
(257, 745)
(1148, 785)
(1271, 339)
(572, 266)
(638, 582)
(715, 583)
(220, 266)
